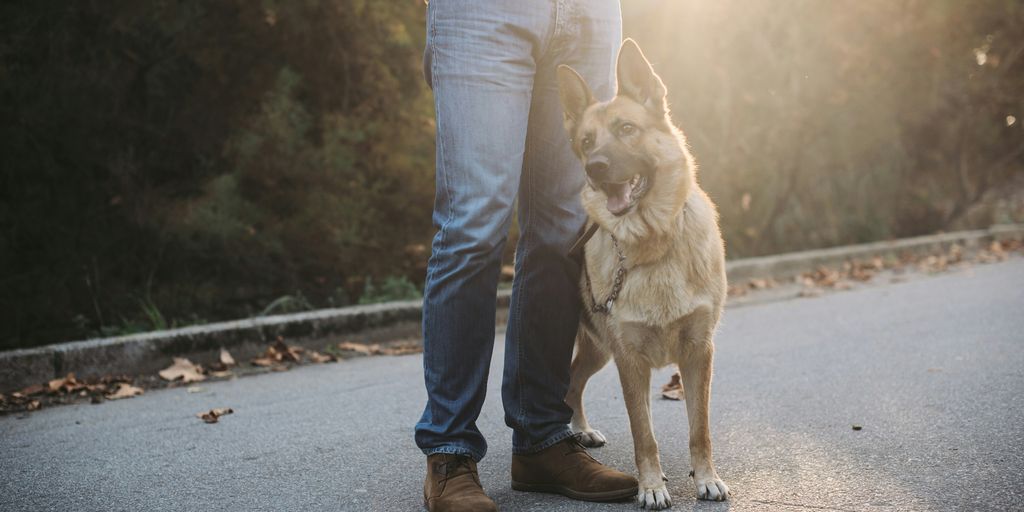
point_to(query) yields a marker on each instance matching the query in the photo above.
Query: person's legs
(546, 301)
(480, 62)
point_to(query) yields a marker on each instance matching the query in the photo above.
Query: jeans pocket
(428, 59)
(428, 50)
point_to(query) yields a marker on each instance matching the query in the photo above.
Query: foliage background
(166, 163)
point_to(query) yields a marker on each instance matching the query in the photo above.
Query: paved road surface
(932, 368)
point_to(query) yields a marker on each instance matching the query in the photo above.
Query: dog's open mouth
(624, 195)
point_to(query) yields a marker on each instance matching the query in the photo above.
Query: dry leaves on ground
(19, 401)
(67, 384)
(863, 270)
(184, 370)
(739, 290)
(124, 390)
(63, 390)
(393, 349)
(317, 357)
(213, 415)
(278, 353)
(221, 367)
(674, 389)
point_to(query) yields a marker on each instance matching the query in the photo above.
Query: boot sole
(616, 495)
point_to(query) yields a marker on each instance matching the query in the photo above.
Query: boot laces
(449, 469)
(574, 445)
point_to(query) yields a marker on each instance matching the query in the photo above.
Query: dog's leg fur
(587, 361)
(636, 392)
(695, 366)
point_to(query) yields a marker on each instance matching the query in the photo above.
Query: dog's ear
(575, 96)
(637, 79)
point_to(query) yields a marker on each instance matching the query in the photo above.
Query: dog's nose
(597, 168)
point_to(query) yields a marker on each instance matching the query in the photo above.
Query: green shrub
(392, 288)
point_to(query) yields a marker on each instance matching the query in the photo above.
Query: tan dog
(659, 235)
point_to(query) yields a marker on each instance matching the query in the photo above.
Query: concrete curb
(150, 352)
(795, 263)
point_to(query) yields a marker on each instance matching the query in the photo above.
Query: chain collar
(620, 276)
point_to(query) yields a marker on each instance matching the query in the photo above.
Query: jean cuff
(549, 442)
(454, 450)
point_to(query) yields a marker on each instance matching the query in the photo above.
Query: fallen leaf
(357, 347)
(183, 369)
(263, 361)
(67, 384)
(761, 284)
(393, 349)
(226, 359)
(737, 291)
(285, 352)
(400, 349)
(674, 389)
(34, 389)
(317, 357)
(213, 415)
(224, 362)
(809, 292)
(277, 353)
(221, 375)
(33, 405)
(125, 391)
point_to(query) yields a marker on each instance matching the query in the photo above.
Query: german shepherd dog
(654, 272)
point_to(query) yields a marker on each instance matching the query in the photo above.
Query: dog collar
(588, 233)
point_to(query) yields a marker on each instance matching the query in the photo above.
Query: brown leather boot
(452, 485)
(567, 469)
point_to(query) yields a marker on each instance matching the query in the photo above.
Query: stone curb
(148, 353)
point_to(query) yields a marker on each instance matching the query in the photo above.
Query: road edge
(147, 353)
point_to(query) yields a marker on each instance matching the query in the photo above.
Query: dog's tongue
(618, 196)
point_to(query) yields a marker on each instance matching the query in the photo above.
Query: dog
(653, 280)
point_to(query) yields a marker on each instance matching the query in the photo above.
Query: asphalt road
(932, 368)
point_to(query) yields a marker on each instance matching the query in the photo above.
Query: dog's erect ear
(637, 79)
(575, 96)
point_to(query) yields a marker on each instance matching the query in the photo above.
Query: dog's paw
(591, 438)
(656, 498)
(712, 489)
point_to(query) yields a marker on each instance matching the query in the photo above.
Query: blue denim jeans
(491, 65)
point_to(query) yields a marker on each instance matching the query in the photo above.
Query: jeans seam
(526, 234)
(443, 228)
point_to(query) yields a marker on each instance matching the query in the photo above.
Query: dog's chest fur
(651, 316)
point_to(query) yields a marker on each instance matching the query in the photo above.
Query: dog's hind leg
(636, 392)
(695, 367)
(587, 361)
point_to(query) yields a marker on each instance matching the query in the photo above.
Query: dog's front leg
(587, 361)
(636, 392)
(696, 372)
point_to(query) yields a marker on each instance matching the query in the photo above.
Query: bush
(232, 158)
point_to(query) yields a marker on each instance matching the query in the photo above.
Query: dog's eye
(587, 142)
(627, 128)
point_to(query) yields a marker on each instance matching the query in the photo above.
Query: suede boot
(567, 469)
(452, 485)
